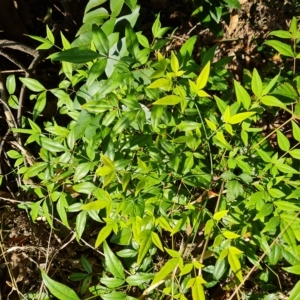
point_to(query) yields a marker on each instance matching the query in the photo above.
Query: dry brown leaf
(243, 1)
(234, 19)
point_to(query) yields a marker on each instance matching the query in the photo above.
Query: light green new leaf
(166, 270)
(57, 289)
(242, 95)
(295, 293)
(295, 153)
(256, 84)
(286, 206)
(272, 101)
(220, 214)
(33, 84)
(240, 117)
(168, 100)
(160, 83)
(282, 48)
(203, 77)
(95, 205)
(284, 168)
(113, 264)
(145, 241)
(198, 290)
(283, 142)
(156, 26)
(281, 34)
(230, 235)
(293, 269)
(174, 63)
(235, 265)
(211, 125)
(294, 27)
(296, 131)
(156, 241)
(103, 234)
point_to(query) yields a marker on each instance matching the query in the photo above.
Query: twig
(18, 46)
(263, 256)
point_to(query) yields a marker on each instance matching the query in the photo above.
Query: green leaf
(160, 83)
(156, 26)
(272, 224)
(113, 264)
(235, 265)
(92, 4)
(96, 70)
(174, 63)
(112, 283)
(283, 142)
(166, 270)
(32, 84)
(230, 235)
(264, 211)
(96, 15)
(286, 206)
(156, 240)
(52, 145)
(294, 27)
(39, 105)
(203, 77)
(81, 171)
(11, 84)
(293, 269)
(126, 119)
(132, 43)
(256, 84)
(103, 234)
(220, 214)
(138, 279)
(296, 131)
(114, 296)
(271, 101)
(76, 55)
(97, 106)
(295, 293)
(242, 95)
(116, 7)
(95, 205)
(286, 168)
(270, 85)
(282, 48)
(57, 289)
(50, 35)
(168, 100)
(100, 40)
(264, 155)
(36, 169)
(145, 241)
(198, 290)
(240, 117)
(281, 34)
(295, 153)
(84, 187)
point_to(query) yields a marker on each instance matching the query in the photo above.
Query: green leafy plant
(167, 159)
